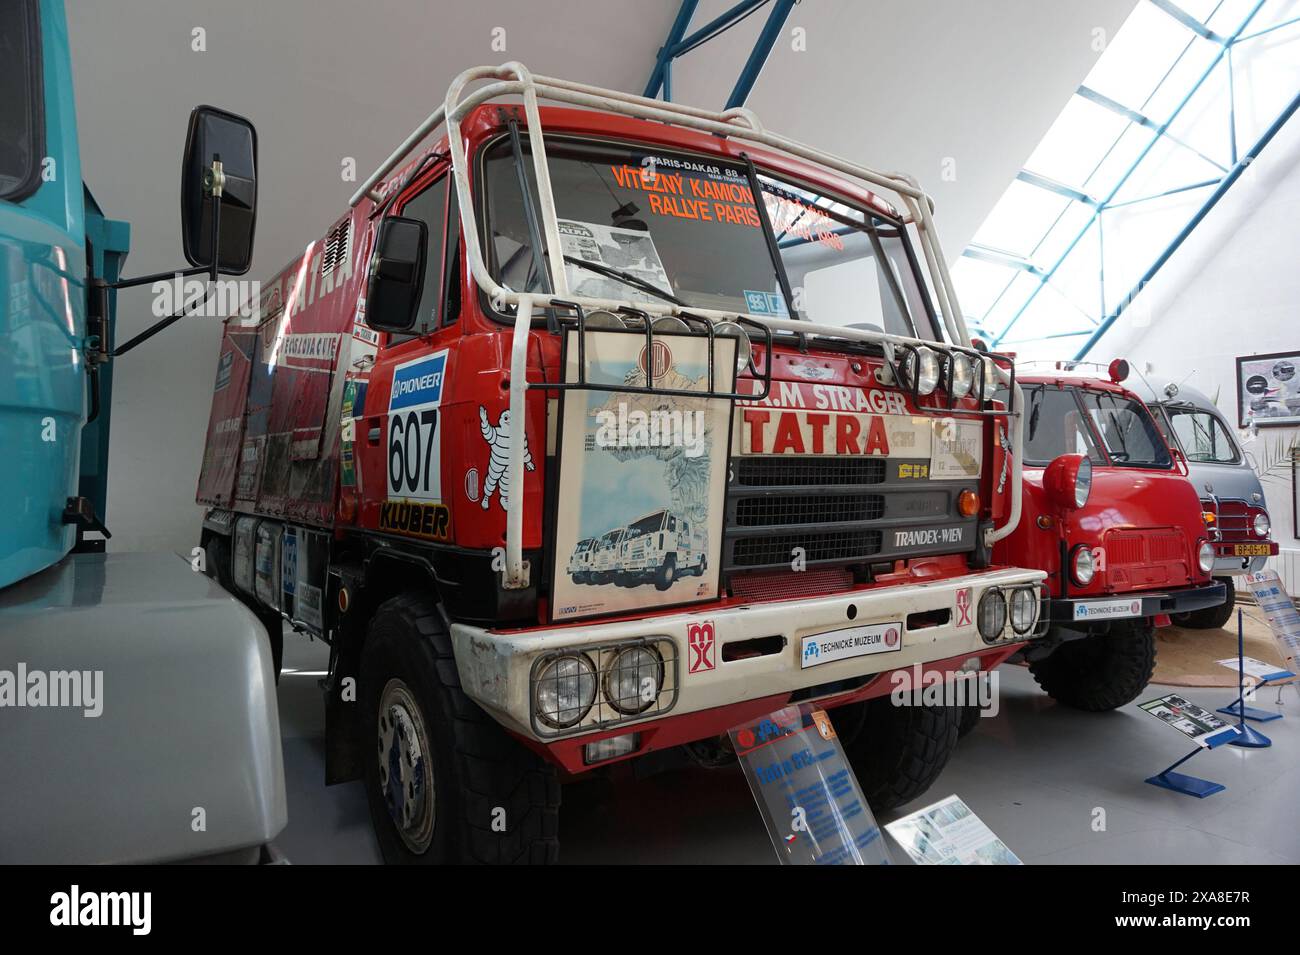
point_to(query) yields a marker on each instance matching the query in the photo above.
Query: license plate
(1107, 609)
(818, 648)
(1251, 550)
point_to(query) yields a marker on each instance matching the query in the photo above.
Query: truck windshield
(1202, 436)
(647, 525)
(1127, 429)
(20, 99)
(644, 225)
(1054, 425)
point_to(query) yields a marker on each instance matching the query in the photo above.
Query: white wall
(1232, 289)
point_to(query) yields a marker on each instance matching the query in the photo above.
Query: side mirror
(220, 167)
(1068, 481)
(396, 274)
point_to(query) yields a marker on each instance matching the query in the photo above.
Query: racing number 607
(404, 450)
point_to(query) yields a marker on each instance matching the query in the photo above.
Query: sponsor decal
(699, 639)
(809, 396)
(766, 303)
(957, 450)
(1107, 609)
(662, 362)
(913, 472)
(807, 368)
(819, 648)
(808, 418)
(416, 519)
(414, 440)
(963, 607)
(930, 536)
(498, 437)
(309, 351)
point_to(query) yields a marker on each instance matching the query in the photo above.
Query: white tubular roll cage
(514, 79)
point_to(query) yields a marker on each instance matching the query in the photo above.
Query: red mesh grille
(786, 584)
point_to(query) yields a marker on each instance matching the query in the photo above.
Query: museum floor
(1035, 774)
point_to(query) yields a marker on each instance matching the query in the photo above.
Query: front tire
(900, 750)
(445, 783)
(1210, 618)
(1101, 672)
(666, 574)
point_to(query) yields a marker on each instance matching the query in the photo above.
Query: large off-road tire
(970, 718)
(900, 750)
(216, 564)
(468, 792)
(1100, 672)
(1211, 618)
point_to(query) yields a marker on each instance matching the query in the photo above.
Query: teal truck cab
(140, 719)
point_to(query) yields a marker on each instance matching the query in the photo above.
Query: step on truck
(1110, 513)
(546, 324)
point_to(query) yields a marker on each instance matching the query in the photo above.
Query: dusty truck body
(132, 689)
(1231, 493)
(1110, 514)
(435, 444)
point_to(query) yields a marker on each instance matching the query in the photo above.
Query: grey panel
(188, 719)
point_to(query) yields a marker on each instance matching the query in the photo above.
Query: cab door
(402, 431)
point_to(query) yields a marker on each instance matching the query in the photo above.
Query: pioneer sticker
(1107, 609)
(819, 648)
(414, 454)
(930, 537)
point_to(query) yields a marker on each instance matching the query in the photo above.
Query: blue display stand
(1191, 785)
(1250, 737)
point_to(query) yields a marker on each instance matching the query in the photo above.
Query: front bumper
(722, 657)
(1083, 611)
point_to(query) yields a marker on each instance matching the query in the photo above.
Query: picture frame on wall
(1268, 390)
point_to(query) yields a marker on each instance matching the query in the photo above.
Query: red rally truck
(514, 347)
(1110, 513)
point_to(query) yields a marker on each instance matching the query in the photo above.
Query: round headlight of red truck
(992, 614)
(634, 679)
(962, 373)
(1262, 526)
(565, 690)
(1205, 557)
(921, 370)
(1024, 609)
(1083, 566)
(1068, 481)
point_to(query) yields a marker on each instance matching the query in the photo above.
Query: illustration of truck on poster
(650, 480)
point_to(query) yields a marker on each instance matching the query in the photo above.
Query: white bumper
(497, 667)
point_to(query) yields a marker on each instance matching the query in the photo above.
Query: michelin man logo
(498, 439)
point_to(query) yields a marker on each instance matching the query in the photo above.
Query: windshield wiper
(627, 278)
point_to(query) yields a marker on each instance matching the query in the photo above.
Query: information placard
(948, 833)
(806, 791)
(1283, 618)
(1196, 723)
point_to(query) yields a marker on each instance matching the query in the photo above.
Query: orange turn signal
(968, 503)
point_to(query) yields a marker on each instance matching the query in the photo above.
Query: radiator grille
(839, 545)
(781, 509)
(780, 471)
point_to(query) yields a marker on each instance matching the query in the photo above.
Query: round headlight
(565, 691)
(992, 615)
(991, 382)
(743, 346)
(963, 375)
(1262, 526)
(634, 679)
(921, 370)
(1205, 557)
(1083, 482)
(1083, 566)
(1024, 609)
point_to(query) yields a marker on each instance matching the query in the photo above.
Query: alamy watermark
(920, 687)
(658, 428)
(200, 298)
(75, 689)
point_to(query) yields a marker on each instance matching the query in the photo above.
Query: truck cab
(1232, 496)
(724, 357)
(1110, 513)
(185, 670)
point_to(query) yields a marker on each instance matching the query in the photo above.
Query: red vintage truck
(573, 453)
(1110, 514)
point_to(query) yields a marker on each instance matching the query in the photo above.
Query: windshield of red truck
(645, 226)
(1126, 428)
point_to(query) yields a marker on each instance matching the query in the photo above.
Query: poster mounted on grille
(642, 476)
(948, 833)
(1283, 617)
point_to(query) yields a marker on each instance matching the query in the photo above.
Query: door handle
(375, 433)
